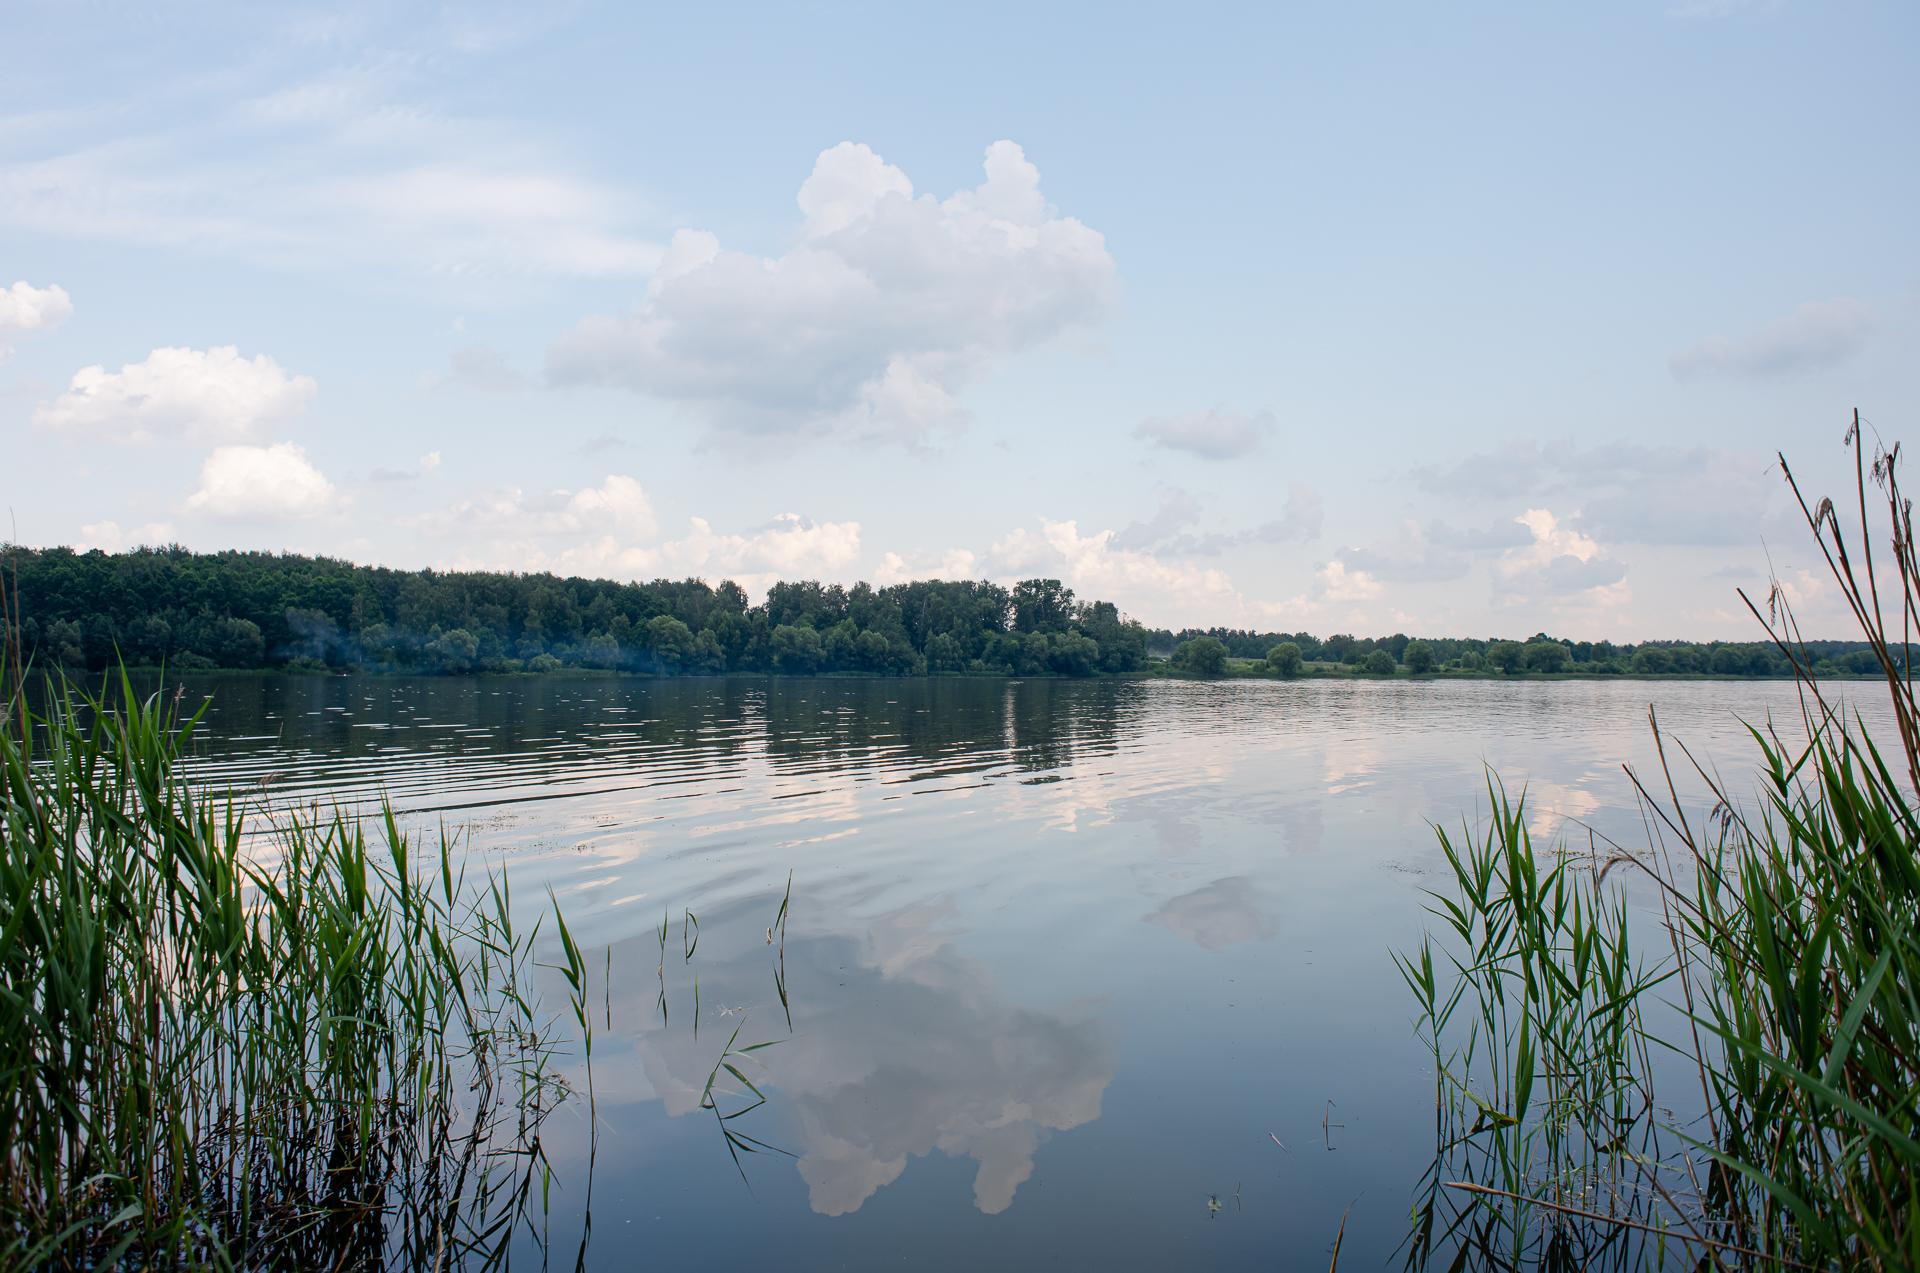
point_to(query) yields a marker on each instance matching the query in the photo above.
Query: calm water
(1065, 960)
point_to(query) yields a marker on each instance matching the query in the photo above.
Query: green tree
(453, 651)
(1506, 655)
(1284, 659)
(1547, 656)
(1651, 660)
(1070, 654)
(796, 650)
(671, 643)
(1041, 605)
(1420, 658)
(1201, 656)
(945, 654)
(1380, 663)
(236, 643)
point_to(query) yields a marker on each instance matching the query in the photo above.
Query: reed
(303, 1049)
(1780, 1003)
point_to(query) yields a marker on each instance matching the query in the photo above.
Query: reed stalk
(1779, 1006)
(310, 1048)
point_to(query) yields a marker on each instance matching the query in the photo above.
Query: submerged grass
(1782, 997)
(215, 1051)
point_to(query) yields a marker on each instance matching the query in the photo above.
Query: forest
(188, 610)
(83, 611)
(1225, 651)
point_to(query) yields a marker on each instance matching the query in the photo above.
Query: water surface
(1080, 973)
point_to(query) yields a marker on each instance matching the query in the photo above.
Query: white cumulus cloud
(25, 308)
(1340, 582)
(1559, 562)
(789, 547)
(201, 394)
(619, 505)
(109, 536)
(955, 563)
(610, 530)
(885, 307)
(262, 482)
(1142, 584)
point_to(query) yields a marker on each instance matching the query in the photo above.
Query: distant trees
(1284, 659)
(1201, 656)
(1652, 660)
(82, 611)
(1380, 663)
(244, 610)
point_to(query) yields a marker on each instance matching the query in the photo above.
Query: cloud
(1627, 493)
(1339, 583)
(108, 536)
(1169, 530)
(1530, 468)
(886, 306)
(1094, 566)
(1727, 500)
(202, 395)
(1212, 435)
(425, 465)
(922, 1052)
(279, 163)
(1501, 533)
(1817, 335)
(1178, 511)
(479, 367)
(955, 563)
(262, 482)
(788, 547)
(1558, 562)
(25, 308)
(1224, 913)
(618, 506)
(1432, 554)
(610, 531)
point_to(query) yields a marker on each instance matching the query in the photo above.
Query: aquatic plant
(222, 1049)
(1784, 1011)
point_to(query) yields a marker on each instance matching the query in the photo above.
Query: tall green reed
(1784, 1001)
(218, 1050)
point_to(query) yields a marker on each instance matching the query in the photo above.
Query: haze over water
(1065, 960)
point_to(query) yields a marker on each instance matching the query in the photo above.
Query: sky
(1446, 319)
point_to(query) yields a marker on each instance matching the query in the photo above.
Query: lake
(1080, 973)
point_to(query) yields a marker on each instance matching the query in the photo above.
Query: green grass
(1778, 1002)
(218, 1049)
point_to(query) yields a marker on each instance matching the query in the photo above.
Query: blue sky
(1445, 319)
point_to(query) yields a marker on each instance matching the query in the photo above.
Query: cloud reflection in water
(902, 1046)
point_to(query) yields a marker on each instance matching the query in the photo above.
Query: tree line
(189, 610)
(1211, 652)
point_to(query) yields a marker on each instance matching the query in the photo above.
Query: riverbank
(1158, 669)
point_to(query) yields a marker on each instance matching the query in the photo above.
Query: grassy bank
(315, 1050)
(1738, 1087)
